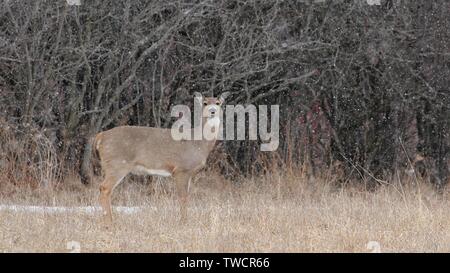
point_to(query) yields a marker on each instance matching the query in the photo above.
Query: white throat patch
(211, 128)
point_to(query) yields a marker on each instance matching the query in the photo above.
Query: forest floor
(264, 215)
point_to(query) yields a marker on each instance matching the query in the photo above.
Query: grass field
(266, 215)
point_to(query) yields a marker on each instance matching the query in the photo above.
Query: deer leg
(106, 189)
(182, 180)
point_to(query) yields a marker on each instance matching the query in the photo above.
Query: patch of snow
(50, 209)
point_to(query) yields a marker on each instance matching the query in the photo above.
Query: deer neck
(207, 143)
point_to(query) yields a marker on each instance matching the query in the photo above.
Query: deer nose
(212, 111)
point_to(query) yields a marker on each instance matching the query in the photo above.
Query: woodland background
(362, 88)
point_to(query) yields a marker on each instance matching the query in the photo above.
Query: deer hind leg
(182, 180)
(106, 189)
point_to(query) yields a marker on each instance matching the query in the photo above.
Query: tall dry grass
(28, 156)
(287, 209)
(271, 213)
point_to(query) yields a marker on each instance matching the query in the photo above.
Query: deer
(153, 151)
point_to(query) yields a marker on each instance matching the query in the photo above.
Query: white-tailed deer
(133, 149)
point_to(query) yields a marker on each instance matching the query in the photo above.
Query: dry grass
(271, 214)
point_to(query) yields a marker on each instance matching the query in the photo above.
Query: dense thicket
(360, 86)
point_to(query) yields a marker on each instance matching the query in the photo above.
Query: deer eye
(205, 103)
(217, 103)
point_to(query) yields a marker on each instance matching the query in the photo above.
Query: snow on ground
(52, 209)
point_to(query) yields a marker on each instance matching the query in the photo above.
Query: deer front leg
(182, 180)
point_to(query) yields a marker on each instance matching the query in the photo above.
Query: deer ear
(223, 97)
